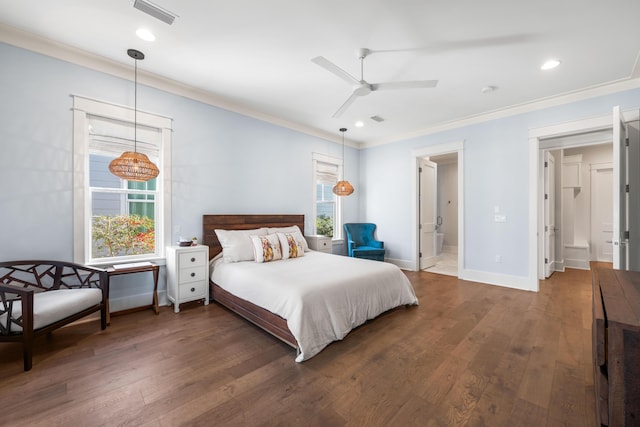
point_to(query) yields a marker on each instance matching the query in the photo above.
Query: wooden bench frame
(20, 280)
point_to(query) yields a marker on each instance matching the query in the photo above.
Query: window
(327, 207)
(118, 220)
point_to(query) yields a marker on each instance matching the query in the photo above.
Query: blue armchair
(361, 242)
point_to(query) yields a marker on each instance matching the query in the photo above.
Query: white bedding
(321, 296)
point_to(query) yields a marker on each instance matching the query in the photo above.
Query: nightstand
(320, 243)
(187, 274)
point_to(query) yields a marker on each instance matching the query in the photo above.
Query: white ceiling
(254, 56)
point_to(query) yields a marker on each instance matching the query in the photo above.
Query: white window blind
(113, 137)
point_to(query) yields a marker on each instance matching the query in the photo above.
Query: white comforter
(321, 296)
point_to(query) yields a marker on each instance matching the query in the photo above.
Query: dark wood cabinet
(616, 346)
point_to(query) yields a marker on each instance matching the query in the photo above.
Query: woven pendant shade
(343, 188)
(134, 166)
(131, 165)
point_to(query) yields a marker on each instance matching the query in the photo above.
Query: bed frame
(270, 322)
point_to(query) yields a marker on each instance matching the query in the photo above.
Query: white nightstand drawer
(191, 274)
(320, 243)
(192, 259)
(194, 290)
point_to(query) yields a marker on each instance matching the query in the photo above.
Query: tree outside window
(122, 213)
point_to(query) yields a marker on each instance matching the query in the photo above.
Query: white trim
(38, 44)
(506, 280)
(337, 226)
(404, 264)
(81, 210)
(539, 142)
(540, 104)
(34, 43)
(416, 154)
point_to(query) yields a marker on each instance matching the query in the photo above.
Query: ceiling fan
(361, 87)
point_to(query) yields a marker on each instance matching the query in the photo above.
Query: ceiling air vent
(377, 119)
(154, 10)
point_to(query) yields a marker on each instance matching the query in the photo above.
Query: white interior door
(549, 213)
(620, 196)
(601, 213)
(428, 212)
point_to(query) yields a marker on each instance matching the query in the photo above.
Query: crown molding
(38, 44)
(539, 104)
(44, 46)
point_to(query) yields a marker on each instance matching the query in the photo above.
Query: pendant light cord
(343, 130)
(135, 109)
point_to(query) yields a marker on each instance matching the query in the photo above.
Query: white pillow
(292, 230)
(266, 248)
(236, 244)
(291, 246)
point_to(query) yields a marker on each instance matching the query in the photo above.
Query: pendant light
(343, 188)
(131, 165)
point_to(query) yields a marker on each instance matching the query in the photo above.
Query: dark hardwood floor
(468, 355)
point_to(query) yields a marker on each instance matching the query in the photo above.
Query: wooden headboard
(242, 222)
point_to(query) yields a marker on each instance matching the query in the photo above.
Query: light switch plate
(500, 218)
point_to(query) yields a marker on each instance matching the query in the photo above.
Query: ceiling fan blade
(334, 69)
(344, 106)
(405, 85)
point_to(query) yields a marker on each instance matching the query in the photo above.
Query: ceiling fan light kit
(360, 87)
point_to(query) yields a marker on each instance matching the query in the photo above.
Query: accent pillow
(266, 248)
(291, 246)
(236, 244)
(295, 230)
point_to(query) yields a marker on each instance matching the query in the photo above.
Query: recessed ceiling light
(145, 35)
(488, 89)
(359, 124)
(550, 64)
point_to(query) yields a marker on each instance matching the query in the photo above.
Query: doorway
(455, 229)
(441, 202)
(572, 134)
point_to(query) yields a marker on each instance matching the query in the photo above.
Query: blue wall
(224, 162)
(496, 173)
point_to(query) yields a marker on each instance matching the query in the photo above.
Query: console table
(616, 346)
(133, 268)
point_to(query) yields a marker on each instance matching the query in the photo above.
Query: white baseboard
(402, 263)
(579, 264)
(558, 266)
(134, 301)
(505, 280)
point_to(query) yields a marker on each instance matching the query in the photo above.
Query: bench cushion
(51, 306)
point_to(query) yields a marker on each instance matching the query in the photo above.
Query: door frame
(433, 150)
(551, 138)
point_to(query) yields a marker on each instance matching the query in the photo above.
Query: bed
(309, 301)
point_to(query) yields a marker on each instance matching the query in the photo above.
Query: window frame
(338, 232)
(82, 108)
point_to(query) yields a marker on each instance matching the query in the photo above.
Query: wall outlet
(498, 258)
